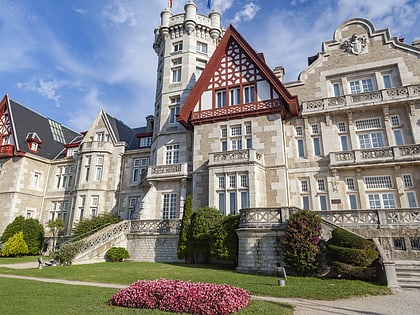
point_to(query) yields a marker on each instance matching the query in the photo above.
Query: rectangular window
(304, 186)
(169, 206)
(95, 201)
(248, 129)
(221, 99)
(249, 143)
(223, 132)
(98, 173)
(415, 243)
(398, 136)
(136, 162)
(301, 150)
(222, 181)
(337, 89)
(350, 183)
(381, 201)
(371, 140)
(100, 136)
(232, 203)
(411, 199)
(173, 112)
(176, 70)
(344, 143)
(315, 129)
(200, 66)
(323, 202)
(36, 179)
(244, 180)
(299, 130)
(375, 182)
(395, 120)
(235, 96)
(136, 175)
(178, 46)
(202, 47)
(236, 144)
(342, 127)
(370, 123)
(305, 202)
(236, 130)
(321, 185)
(408, 180)
(317, 146)
(172, 154)
(353, 202)
(244, 200)
(387, 81)
(249, 94)
(399, 243)
(232, 181)
(100, 160)
(224, 146)
(361, 86)
(222, 202)
(145, 142)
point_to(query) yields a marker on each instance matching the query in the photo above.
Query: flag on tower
(209, 4)
(170, 4)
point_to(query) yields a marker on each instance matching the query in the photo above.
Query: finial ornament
(355, 44)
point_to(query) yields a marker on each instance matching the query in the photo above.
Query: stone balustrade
(333, 103)
(238, 156)
(374, 155)
(170, 170)
(264, 218)
(96, 146)
(155, 226)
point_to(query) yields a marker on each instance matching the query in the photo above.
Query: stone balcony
(158, 172)
(410, 92)
(238, 156)
(6, 150)
(96, 146)
(375, 155)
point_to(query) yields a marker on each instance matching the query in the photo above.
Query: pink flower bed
(182, 297)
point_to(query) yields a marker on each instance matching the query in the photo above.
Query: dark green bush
(87, 227)
(183, 233)
(346, 271)
(225, 244)
(353, 256)
(301, 240)
(117, 254)
(33, 233)
(201, 235)
(67, 252)
(343, 238)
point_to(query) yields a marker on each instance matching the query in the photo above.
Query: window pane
(301, 150)
(317, 147)
(398, 137)
(411, 198)
(232, 203)
(387, 81)
(353, 202)
(323, 202)
(336, 89)
(222, 202)
(305, 202)
(344, 144)
(244, 199)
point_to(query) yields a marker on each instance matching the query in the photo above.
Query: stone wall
(153, 248)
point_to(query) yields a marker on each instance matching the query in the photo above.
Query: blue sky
(68, 59)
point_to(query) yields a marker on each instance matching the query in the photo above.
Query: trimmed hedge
(353, 256)
(343, 238)
(354, 272)
(116, 254)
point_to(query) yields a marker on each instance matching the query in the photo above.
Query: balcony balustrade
(238, 156)
(155, 226)
(375, 155)
(165, 171)
(373, 97)
(96, 146)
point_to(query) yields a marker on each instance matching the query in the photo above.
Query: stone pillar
(190, 16)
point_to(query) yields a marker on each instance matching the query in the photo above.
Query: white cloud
(247, 13)
(221, 5)
(118, 13)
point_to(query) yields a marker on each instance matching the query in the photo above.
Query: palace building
(230, 132)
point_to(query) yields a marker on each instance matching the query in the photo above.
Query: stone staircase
(408, 274)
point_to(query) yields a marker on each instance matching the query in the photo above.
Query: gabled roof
(289, 101)
(24, 121)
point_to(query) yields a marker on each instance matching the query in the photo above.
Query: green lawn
(32, 297)
(23, 259)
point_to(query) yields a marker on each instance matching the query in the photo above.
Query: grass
(18, 260)
(32, 297)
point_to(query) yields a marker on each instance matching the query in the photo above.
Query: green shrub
(225, 244)
(15, 246)
(67, 252)
(346, 271)
(301, 240)
(116, 254)
(201, 235)
(182, 251)
(343, 238)
(87, 227)
(353, 256)
(33, 233)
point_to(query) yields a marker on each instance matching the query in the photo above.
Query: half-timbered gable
(236, 83)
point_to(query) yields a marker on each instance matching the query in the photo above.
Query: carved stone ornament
(355, 44)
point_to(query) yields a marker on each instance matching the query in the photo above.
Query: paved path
(406, 302)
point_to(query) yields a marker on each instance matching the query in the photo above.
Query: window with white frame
(145, 142)
(199, 68)
(169, 206)
(411, 199)
(378, 182)
(301, 148)
(342, 126)
(321, 184)
(177, 46)
(94, 201)
(361, 86)
(371, 140)
(99, 169)
(381, 201)
(369, 123)
(304, 185)
(234, 195)
(350, 183)
(82, 207)
(144, 164)
(398, 132)
(174, 108)
(323, 203)
(408, 180)
(221, 98)
(387, 81)
(299, 130)
(64, 176)
(336, 89)
(236, 144)
(317, 146)
(135, 171)
(235, 96)
(202, 47)
(353, 202)
(172, 154)
(236, 137)
(176, 70)
(100, 136)
(87, 167)
(249, 94)
(395, 120)
(236, 130)
(305, 202)
(344, 140)
(36, 179)
(315, 129)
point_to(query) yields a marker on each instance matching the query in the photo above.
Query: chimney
(279, 73)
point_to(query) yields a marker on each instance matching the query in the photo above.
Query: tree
(201, 235)
(183, 233)
(33, 233)
(55, 226)
(301, 240)
(15, 246)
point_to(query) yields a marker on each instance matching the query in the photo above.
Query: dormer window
(33, 141)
